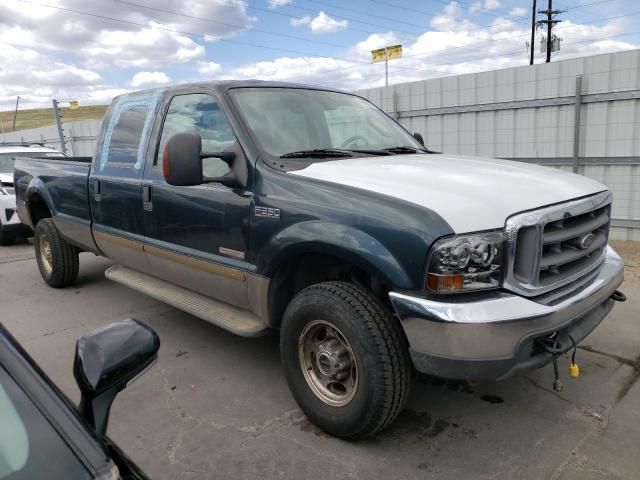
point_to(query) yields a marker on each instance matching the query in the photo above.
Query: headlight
(465, 262)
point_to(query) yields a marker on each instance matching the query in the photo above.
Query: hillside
(40, 117)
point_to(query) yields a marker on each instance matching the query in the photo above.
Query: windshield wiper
(333, 152)
(406, 150)
(319, 153)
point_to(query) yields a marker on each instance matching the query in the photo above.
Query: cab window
(199, 113)
(126, 136)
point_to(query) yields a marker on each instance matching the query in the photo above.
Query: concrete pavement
(217, 405)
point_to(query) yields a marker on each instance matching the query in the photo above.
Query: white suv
(10, 225)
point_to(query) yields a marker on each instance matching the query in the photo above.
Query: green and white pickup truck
(258, 206)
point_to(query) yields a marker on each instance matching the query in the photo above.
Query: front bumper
(492, 336)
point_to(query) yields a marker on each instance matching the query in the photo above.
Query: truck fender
(341, 241)
(37, 187)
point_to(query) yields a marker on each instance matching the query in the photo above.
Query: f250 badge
(267, 212)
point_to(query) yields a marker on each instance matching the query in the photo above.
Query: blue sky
(91, 50)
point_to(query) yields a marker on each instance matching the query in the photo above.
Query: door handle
(147, 204)
(96, 190)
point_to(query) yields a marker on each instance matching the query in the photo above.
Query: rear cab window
(125, 133)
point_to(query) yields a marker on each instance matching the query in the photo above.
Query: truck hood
(469, 193)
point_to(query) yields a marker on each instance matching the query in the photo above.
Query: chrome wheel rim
(328, 363)
(46, 257)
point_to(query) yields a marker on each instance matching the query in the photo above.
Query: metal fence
(580, 115)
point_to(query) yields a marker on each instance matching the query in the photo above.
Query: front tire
(345, 359)
(57, 259)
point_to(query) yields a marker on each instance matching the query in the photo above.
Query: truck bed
(63, 184)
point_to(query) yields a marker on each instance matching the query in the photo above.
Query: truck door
(197, 236)
(115, 184)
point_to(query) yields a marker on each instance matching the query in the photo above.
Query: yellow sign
(387, 53)
(73, 104)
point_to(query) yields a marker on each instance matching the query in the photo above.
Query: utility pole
(15, 113)
(56, 112)
(533, 31)
(550, 22)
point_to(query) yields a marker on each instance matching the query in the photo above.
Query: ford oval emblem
(587, 240)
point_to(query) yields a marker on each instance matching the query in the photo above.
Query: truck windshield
(288, 121)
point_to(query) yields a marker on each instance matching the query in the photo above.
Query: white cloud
(209, 68)
(449, 19)
(146, 37)
(518, 12)
(144, 48)
(146, 79)
(65, 57)
(377, 40)
(484, 5)
(491, 4)
(296, 22)
(322, 23)
(278, 3)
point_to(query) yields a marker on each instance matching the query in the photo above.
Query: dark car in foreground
(43, 435)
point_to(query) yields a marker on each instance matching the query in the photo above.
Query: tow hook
(618, 296)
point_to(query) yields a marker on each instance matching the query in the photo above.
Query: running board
(221, 314)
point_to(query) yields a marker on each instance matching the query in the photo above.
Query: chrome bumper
(492, 335)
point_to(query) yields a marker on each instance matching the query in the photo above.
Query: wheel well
(301, 271)
(38, 209)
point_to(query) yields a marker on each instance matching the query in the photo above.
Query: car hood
(6, 177)
(469, 193)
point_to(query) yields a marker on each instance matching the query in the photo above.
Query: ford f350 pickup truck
(258, 205)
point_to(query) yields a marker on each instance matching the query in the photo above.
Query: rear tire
(352, 376)
(57, 259)
(7, 238)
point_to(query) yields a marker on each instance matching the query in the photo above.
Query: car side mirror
(419, 138)
(182, 161)
(106, 361)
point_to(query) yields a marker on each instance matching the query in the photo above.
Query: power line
(243, 27)
(339, 7)
(275, 12)
(514, 52)
(319, 57)
(582, 5)
(351, 19)
(158, 27)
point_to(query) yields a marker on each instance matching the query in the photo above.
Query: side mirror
(106, 361)
(182, 161)
(419, 138)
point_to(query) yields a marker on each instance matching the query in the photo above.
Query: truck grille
(554, 246)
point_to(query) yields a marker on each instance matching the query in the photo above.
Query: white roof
(28, 148)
